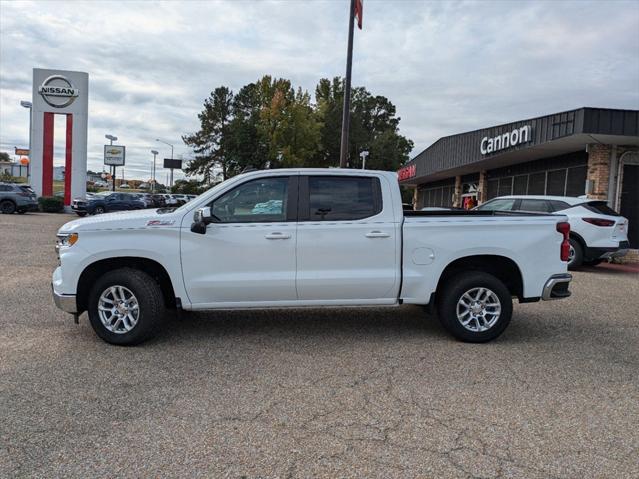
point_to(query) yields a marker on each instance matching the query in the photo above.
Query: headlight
(66, 239)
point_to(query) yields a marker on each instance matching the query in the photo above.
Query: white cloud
(447, 66)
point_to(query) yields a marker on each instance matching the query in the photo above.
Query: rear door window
(498, 205)
(558, 205)
(333, 198)
(534, 206)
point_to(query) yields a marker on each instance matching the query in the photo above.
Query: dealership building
(587, 151)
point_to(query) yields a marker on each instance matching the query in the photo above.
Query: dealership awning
(532, 139)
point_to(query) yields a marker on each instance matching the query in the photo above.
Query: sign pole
(112, 172)
(346, 113)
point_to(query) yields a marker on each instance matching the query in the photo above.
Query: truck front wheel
(475, 307)
(126, 307)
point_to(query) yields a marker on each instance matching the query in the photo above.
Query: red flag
(359, 12)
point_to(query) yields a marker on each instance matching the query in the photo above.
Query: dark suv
(106, 202)
(17, 198)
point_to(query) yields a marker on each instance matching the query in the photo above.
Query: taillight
(564, 229)
(599, 221)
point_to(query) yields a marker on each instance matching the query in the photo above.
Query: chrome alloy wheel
(571, 254)
(118, 309)
(478, 309)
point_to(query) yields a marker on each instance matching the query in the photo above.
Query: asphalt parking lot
(321, 393)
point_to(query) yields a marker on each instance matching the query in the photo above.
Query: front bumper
(66, 302)
(557, 287)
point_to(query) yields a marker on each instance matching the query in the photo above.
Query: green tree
(188, 187)
(4, 156)
(244, 144)
(210, 142)
(270, 124)
(374, 127)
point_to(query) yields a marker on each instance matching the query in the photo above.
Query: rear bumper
(605, 253)
(557, 287)
(66, 302)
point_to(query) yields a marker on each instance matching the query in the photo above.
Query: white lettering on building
(507, 140)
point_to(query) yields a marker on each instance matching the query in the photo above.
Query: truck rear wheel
(126, 307)
(475, 307)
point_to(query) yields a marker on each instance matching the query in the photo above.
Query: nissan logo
(58, 92)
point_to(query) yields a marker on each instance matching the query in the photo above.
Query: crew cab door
(248, 257)
(347, 240)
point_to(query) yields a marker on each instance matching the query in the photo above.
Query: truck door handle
(377, 234)
(277, 235)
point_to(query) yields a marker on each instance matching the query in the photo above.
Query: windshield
(103, 193)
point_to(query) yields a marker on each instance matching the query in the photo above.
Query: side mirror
(203, 215)
(201, 218)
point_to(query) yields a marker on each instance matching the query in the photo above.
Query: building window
(438, 196)
(506, 186)
(556, 183)
(520, 185)
(576, 182)
(564, 182)
(537, 184)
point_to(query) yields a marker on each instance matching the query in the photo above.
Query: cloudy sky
(448, 66)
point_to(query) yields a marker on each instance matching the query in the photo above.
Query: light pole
(29, 105)
(155, 154)
(112, 138)
(363, 155)
(157, 139)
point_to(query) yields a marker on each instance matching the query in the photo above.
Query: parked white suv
(597, 232)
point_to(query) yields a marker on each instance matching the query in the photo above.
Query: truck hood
(139, 219)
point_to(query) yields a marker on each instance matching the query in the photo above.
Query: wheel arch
(577, 237)
(151, 267)
(502, 267)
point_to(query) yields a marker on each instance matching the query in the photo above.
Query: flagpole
(346, 113)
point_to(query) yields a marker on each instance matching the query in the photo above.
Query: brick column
(457, 201)
(482, 187)
(599, 170)
(415, 198)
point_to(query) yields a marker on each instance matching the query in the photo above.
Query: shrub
(51, 204)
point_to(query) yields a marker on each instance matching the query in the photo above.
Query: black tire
(99, 210)
(7, 207)
(81, 213)
(578, 255)
(152, 310)
(453, 291)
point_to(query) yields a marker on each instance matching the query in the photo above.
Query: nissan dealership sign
(507, 140)
(58, 91)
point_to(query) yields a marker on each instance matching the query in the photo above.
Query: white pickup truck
(307, 238)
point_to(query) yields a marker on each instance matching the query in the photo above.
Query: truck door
(346, 239)
(248, 257)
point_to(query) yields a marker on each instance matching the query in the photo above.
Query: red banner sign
(406, 172)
